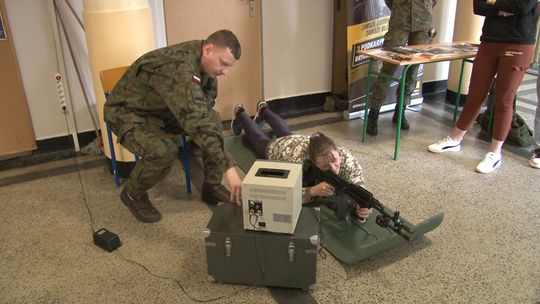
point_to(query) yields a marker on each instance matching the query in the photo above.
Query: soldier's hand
(362, 213)
(235, 185)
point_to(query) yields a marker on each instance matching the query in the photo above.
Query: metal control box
(272, 196)
(236, 255)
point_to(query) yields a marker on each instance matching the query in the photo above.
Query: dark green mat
(350, 242)
(241, 150)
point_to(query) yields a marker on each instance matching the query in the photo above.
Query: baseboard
(50, 149)
(62, 147)
(298, 105)
(433, 87)
(64, 142)
(451, 97)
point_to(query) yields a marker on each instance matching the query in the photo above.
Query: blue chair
(109, 78)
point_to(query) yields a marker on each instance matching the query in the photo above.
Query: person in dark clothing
(506, 51)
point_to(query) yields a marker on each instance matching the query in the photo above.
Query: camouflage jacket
(410, 15)
(295, 148)
(165, 87)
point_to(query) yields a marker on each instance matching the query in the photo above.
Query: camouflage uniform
(164, 92)
(410, 22)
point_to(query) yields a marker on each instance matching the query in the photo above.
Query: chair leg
(185, 161)
(113, 157)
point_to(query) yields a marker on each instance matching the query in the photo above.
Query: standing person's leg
(509, 75)
(483, 71)
(513, 61)
(254, 133)
(379, 91)
(534, 160)
(537, 116)
(394, 37)
(411, 79)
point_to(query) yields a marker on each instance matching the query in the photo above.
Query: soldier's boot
(373, 116)
(215, 193)
(141, 208)
(404, 123)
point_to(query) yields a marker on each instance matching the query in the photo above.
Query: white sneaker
(490, 162)
(534, 161)
(446, 144)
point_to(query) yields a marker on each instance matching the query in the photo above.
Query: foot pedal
(106, 240)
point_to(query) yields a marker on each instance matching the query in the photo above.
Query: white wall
(35, 48)
(443, 21)
(37, 36)
(297, 47)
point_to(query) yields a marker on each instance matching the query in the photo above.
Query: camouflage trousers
(158, 150)
(393, 38)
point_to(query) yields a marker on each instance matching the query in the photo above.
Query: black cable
(182, 288)
(85, 201)
(256, 221)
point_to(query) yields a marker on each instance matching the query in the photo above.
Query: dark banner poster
(367, 22)
(2, 31)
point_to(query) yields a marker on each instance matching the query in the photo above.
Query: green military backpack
(519, 135)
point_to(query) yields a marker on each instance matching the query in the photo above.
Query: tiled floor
(487, 250)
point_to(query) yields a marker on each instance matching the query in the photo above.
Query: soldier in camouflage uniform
(172, 90)
(319, 148)
(410, 24)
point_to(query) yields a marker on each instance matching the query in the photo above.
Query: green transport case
(235, 255)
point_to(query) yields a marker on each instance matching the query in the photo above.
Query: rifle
(362, 197)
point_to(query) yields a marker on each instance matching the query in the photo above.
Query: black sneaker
(141, 208)
(236, 128)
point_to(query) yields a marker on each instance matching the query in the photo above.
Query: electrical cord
(85, 201)
(182, 288)
(256, 221)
